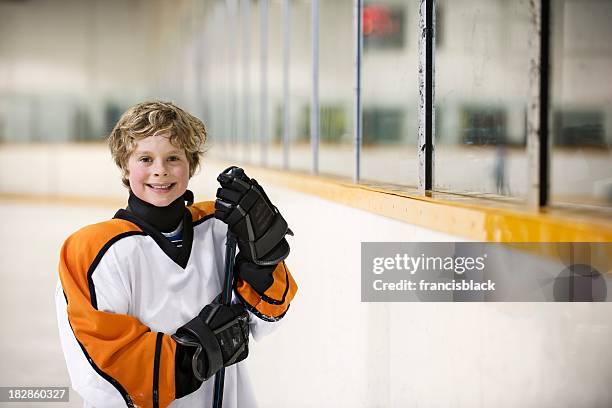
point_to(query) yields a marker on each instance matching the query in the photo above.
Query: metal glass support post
(246, 78)
(427, 111)
(538, 144)
(358, 24)
(263, 75)
(314, 109)
(286, 106)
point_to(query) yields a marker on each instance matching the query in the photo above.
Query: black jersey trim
(180, 255)
(258, 313)
(126, 397)
(158, 344)
(98, 258)
(279, 302)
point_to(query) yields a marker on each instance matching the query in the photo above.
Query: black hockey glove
(244, 206)
(217, 337)
(259, 277)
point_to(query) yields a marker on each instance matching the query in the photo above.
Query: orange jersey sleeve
(139, 363)
(274, 303)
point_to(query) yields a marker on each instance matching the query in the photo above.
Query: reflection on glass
(581, 128)
(217, 83)
(244, 49)
(482, 81)
(336, 81)
(252, 72)
(275, 84)
(62, 75)
(390, 92)
(300, 85)
(69, 69)
(241, 64)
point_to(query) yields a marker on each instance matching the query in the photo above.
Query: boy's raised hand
(244, 206)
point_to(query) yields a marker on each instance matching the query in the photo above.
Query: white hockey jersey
(124, 290)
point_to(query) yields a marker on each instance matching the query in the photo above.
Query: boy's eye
(145, 159)
(174, 158)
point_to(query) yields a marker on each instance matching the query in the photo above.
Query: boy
(138, 320)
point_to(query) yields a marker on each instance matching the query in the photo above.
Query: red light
(378, 21)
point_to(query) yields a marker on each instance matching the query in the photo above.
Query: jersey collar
(179, 255)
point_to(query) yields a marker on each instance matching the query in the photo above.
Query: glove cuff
(206, 365)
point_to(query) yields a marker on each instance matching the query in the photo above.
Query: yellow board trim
(475, 218)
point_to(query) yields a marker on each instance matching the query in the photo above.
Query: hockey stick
(226, 299)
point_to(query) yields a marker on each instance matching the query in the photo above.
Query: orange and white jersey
(124, 290)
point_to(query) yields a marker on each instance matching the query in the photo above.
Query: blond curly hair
(153, 118)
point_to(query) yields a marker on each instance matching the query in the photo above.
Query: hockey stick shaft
(226, 299)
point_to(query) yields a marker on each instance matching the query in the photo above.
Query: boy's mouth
(161, 187)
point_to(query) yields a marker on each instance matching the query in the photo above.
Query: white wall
(335, 351)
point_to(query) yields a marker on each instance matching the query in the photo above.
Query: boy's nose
(160, 170)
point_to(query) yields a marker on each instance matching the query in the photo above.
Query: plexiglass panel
(68, 69)
(390, 91)
(482, 79)
(275, 84)
(581, 128)
(300, 85)
(217, 83)
(336, 87)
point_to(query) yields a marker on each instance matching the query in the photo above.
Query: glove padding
(259, 277)
(244, 206)
(219, 336)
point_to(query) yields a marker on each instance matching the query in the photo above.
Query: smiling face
(158, 171)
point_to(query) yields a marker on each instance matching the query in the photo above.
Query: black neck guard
(164, 219)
